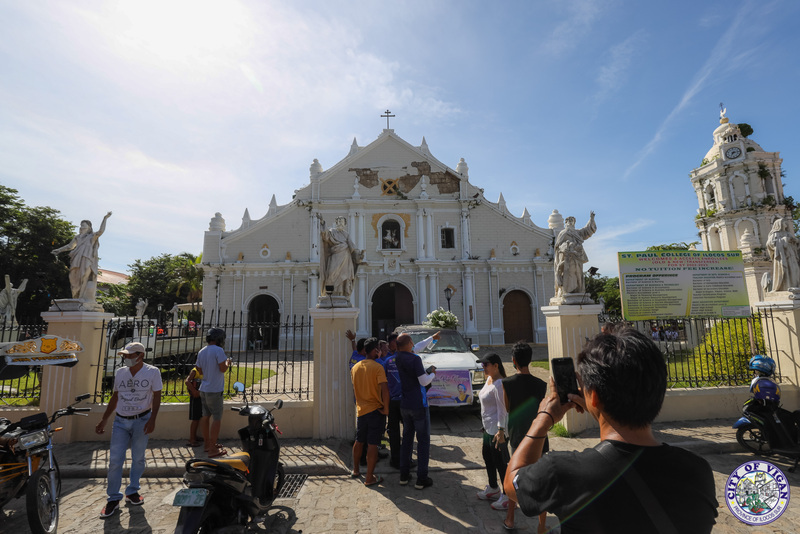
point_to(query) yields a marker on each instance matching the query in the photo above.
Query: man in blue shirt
(396, 393)
(414, 411)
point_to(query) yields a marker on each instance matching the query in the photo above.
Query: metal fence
(26, 389)
(273, 358)
(710, 351)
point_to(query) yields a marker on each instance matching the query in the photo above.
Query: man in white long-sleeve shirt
(414, 410)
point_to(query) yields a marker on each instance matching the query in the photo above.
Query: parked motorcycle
(765, 428)
(28, 465)
(234, 490)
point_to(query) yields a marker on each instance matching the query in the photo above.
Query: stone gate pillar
(334, 408)
(568, 327)
(60, 385)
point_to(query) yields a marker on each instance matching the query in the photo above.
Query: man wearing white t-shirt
(135, 403)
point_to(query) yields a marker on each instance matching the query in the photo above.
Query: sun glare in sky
(180, 31)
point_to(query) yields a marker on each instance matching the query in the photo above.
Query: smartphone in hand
(565, 379)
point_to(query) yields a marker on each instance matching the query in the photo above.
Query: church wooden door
(392, 305)
(517, 317)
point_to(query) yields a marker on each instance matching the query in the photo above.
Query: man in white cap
(135, 403)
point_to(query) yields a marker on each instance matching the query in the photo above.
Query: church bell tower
(739, 194)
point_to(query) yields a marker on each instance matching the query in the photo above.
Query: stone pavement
(329, 501)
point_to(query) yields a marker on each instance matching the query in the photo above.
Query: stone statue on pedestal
(338, 261)
(140, 307)
(784, 250)
(8, 301)
(569, 257)
(83, 261)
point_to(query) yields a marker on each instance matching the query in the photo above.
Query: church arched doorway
(392, 305)
(263, 323)
(517, 317)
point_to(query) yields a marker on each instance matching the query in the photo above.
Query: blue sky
(166, 112)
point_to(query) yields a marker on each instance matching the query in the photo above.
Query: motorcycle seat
(238, 460)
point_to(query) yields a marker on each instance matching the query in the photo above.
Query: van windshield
(448, 341)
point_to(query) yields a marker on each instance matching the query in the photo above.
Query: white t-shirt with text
(135, 392)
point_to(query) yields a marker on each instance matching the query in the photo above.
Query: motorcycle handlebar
(81, 409)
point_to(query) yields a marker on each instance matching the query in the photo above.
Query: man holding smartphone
(630, 482)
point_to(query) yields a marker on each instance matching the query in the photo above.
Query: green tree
(150, 280)
(115, 299)
(745, 129)
(608, 289)
(27, 235)
(674, 246)
(610, 294)
(722, 356)
(166, 280)
(188, 284)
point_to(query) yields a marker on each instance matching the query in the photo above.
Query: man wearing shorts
(212, 364)
(372, 406)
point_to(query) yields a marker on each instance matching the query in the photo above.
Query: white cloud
(571, 32)
(614, 73)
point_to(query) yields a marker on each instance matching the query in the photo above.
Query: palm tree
(188, 279)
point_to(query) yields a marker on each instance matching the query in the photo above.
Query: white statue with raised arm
(570, 256)
(83, 260)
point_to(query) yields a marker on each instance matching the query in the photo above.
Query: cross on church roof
(387, 115)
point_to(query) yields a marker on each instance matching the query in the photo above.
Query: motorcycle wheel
(41, 505)
(209, 520)
(752, 438)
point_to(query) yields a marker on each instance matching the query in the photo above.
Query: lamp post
(448, 294)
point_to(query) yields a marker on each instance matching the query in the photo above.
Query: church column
(362, 238)
(469, 302)
(362, 303)
(733, 203)
(465, 245)
(747, 190)
(431, 249)
(420, 235)
(434, 291)
(352, 228)
(422, 291)
(313, 289)
(314, 250)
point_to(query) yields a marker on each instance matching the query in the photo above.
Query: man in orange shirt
(372, 406)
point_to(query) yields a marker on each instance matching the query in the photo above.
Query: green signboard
(681, 283)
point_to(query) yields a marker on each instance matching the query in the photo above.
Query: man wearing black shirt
(522, 394)
(629, 482)
(414, 410)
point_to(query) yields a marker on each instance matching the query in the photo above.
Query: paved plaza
(329, 501)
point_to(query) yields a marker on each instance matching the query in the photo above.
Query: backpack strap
(643, 494)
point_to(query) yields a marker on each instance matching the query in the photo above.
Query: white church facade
(423, 226)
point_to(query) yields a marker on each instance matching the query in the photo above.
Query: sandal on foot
(378, 480)
(355, 475)
(505, 526)
(220, 452)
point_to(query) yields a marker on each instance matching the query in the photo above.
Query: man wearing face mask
(134, 403)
